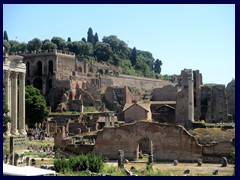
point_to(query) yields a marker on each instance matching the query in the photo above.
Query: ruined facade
(14, 75)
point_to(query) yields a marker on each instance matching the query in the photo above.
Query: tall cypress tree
(90, 37)
(96, 38)
(69, 39)
(157, 66)
(5, 36)
(133, 57)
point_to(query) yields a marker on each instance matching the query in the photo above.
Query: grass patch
(213, 135)
(43, 143)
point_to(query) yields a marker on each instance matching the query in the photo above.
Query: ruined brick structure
(70, 84)
(169, 142)
(213, 103)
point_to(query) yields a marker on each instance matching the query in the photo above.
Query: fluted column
(21, 118)
(14, 105)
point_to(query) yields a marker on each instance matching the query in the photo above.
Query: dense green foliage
(91, 162)
(36, 106)
(111, 50)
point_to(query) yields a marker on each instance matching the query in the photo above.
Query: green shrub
(82, 162)
(95, 162)
(61, 165)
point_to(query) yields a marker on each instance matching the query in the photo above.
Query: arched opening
(80, 69)
(27, 69)
(50, 68)
(37, 83)
(144, 148)
(39, 68)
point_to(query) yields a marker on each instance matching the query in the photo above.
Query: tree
(148, 58)
(118, 46)
(6, 45)
(133, 57)
(60, 42)
(35, 44)
(84, 39)
(96, 38)
(36, 106)
(14, 46)
(157, 66)
(22, 47)
(5, 36)
(102, 51)
(48, 45)
(90, 37)
(69, 39)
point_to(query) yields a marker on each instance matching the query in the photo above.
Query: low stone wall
(79, 149)
(19, 142)
(131, 81)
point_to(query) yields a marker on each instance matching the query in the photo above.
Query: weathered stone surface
(166, 93)
(213, 102)
(230, 93)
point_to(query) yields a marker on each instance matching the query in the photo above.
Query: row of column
(16, 101)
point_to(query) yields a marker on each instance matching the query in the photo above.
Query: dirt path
(169, 168)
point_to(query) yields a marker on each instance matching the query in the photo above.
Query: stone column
(14, 105)
(107, 121)
(120, 158)
(8, 97)
(21, 129)
(190, 99)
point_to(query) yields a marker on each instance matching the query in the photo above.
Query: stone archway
(144, 146)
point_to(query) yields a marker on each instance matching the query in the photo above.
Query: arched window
(39, 68)
(50, 68)
(27, 69)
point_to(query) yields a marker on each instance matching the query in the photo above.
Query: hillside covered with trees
(111, 51)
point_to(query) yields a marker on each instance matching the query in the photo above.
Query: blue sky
(183, 36)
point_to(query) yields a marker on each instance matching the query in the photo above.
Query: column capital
(13, 74)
